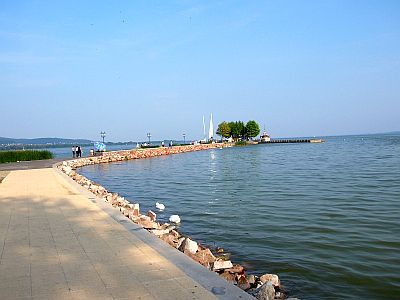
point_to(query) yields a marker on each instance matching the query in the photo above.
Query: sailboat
(211, 129)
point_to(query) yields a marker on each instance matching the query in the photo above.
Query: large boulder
(146, 223)
(251, 279)
(222, 264)
(170, 239)
(180, 241)
(189, 246)
(236, 269)
(204, 257)
(243, 283)
(152, 215)
(271, 277)
(134, 212)
(266, 291)
(228, 277)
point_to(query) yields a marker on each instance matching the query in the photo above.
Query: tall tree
(224, 129)
(252, 129)
(238, 130)
(241, 129)
(234, 130)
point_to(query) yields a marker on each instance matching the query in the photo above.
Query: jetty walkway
(59, 242)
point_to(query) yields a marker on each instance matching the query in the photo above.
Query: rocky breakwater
(265, 287)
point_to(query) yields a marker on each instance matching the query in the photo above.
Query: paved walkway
(33, 164)
(56, 244)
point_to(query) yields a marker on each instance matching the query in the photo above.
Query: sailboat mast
(204, 128)
(211, 129)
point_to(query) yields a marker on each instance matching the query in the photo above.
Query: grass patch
(24, 155)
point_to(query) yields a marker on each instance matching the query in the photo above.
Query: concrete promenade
(56, 243)
(59, 242)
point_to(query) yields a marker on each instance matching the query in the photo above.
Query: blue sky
(302, 68)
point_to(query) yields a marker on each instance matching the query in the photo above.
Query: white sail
(211, 129)
(204, 128)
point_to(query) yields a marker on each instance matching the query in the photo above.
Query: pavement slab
(57, 243)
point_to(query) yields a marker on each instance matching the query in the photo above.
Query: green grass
(24, 155)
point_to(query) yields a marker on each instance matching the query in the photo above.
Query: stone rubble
(265, 287)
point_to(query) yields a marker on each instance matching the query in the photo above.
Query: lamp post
(149, 136)
(103, 135)
(184, 138)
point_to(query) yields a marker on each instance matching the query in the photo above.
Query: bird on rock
(175, 219)
(160, 206)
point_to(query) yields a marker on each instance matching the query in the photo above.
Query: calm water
(325, 217)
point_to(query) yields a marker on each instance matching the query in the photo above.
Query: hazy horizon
(181, 139)
(311, 68)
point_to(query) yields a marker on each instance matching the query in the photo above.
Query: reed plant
(24, 155)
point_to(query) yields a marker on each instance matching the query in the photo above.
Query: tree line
(238, 130)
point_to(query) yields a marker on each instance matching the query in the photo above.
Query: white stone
(189, 246)
(67, 170)
(270, 277)
(222, 264)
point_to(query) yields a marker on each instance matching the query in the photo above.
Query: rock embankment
(265, 287)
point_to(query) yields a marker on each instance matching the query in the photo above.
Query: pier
(291, 141)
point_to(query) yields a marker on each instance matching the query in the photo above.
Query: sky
(300, 68)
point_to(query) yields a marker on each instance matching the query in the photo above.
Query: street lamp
(184, 138)
(149, 136)
(103, 135)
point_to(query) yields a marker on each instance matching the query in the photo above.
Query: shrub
(240, 143)
(24, 155)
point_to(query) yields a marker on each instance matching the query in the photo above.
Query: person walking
(77, 151)
(73, 151)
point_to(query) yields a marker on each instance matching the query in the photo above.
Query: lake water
(324, 217)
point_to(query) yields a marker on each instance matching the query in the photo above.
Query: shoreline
(215, 260)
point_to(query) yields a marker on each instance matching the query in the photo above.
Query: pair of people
(76, 151)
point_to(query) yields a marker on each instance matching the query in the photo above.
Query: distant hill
(43, 141)
(392, 133)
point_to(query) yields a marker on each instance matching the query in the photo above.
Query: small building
(265, 137)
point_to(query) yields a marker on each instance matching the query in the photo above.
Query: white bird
(175, 219)
(160, 206)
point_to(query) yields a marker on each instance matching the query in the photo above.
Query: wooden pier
(290, 141)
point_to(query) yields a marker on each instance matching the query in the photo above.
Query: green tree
(241, 129)
(234, 130)
(238, 129)
(224, 129)
(252, 129)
